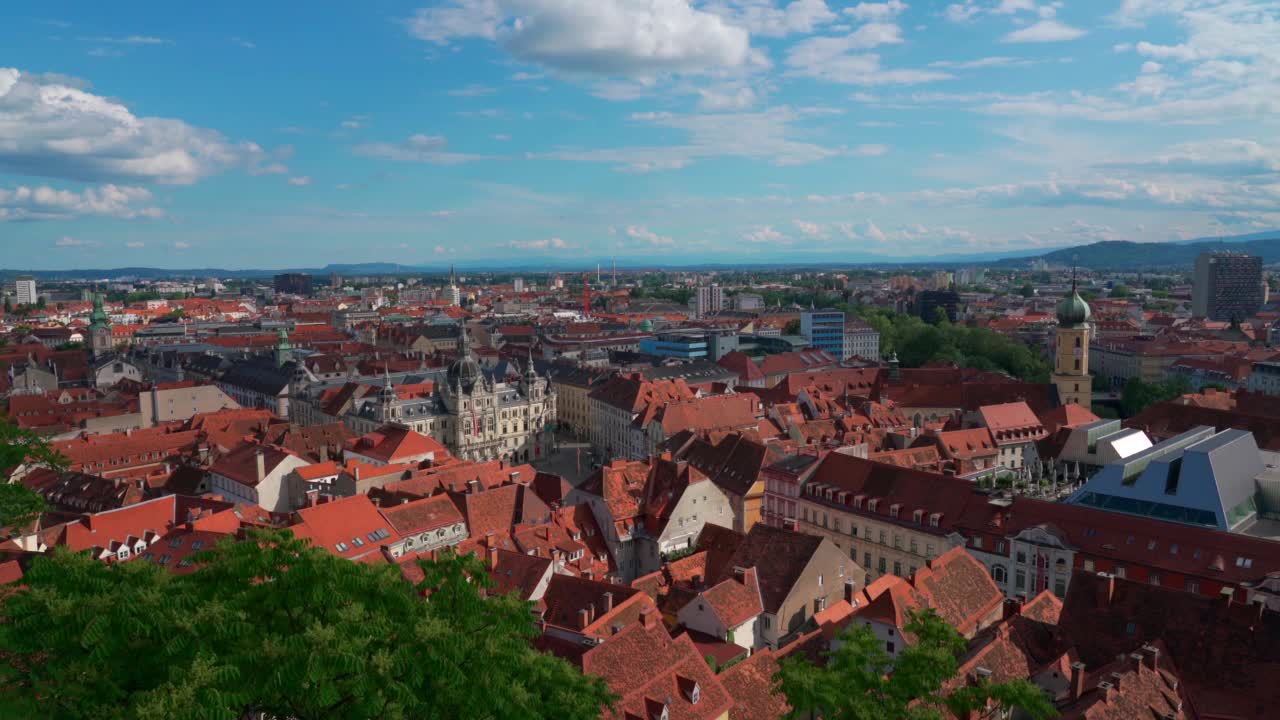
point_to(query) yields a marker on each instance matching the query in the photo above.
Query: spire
(453, 276)
(464, 344)
(1073, 274)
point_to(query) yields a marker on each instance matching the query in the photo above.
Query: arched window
(998, 573)
(1077, 341)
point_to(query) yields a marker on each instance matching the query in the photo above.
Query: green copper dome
(1073, 310)
(646, 326)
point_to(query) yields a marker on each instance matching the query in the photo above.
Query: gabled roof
(422, 515)
(754, 687)
(959, 587)
(350, 528)
(736, 599)
(779, 558)
(394, 444)
(647, 670)
(241, 464)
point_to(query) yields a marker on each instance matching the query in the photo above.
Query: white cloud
(70, 242)
(1010, 7)
(604, 37)
(430, 149)
(500, 137)
(962, 12)
(524, 76)
(994, 61)
(131, 40)
(300, 181)
(766, 235)
(53, 129)
(647, 237)
(473, 90)
(46, 203)
(1044, 31)
(835, 59)
(180, 245)
(543, 244)
(869, 150)
(866, 231)
(135, 244)
(764, 18)
(811, 229)
(729, 99)
(876, 10)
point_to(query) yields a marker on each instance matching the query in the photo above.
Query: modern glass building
(824, 329)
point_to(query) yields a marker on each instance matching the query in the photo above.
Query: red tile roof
(421, 515)
(753, 685)
(392, 444)
(350, 528)
(736, 599)
(647, 670)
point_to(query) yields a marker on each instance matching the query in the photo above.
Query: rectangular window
(866, 560)
(881, 565)
(897, 568)
(1193, 586)
(1020, 580)
(1088, 565)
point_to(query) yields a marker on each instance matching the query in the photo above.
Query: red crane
(586, 294)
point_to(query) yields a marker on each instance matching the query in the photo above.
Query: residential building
(735, 464)
(824, 329)
(728, 610)
(293, 283)
(1265, 378)
(1227, 286)
(798, 575)
(1015, 430)
(656, 677)
(748, 302)
(424, 525)
(930, 302)
(176, 402)
(783, 481)
(891, 519)
(707, 299)
(861, 340)
(256, 474)
(620, 410)
(572, 385)
(24, 290)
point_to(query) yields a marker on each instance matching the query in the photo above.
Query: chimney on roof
(1106, 588)
(1077, 680)
(1151, 657)
(608, 602)
(647, 618)
(584, 619)
(493, 558)
(473, 487)
(261, 463)
(850, 590)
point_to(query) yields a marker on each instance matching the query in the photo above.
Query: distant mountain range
(1107, 255)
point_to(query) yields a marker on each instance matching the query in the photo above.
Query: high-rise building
(1227, 286)
(707, 299)
(518, 284)
(1071, 354)
(824, 329)
(293, 283)
(929, 302)
(24, 290)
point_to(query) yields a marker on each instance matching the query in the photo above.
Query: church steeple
(284, 349)
(100, 338)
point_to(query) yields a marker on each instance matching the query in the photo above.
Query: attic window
(894, 510)
(934, 519)
(342, 547)
(357, 541)
(917, 516)
(1244, 562)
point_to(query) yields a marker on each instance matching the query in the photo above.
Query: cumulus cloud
(300, 181)
(70, 242)
(420, 148)
(765, 234)
(53, 129)
(876, 10)
(606, 37)
(46, 203)
(810, 229)
(1048, 30)
(135, 244)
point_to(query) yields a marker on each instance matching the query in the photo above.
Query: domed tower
(100, 340)
(1071, 352)
(284, 349)
(464, 373)
(530, 383)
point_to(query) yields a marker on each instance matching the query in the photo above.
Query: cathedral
(474, 414)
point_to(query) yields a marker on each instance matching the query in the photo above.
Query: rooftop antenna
(1073, 273)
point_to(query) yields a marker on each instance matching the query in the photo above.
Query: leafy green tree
(1138, 395)
(19, 504)
(274, 626)
(861, 682)
(1121, 291)
(791, 328)
(1027, 290)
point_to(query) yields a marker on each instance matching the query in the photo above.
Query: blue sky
(259, 135)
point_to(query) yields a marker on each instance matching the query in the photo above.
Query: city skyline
(727, 130)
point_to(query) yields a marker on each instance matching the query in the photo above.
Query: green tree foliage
(19, 505)
(1027, 290)
(1121, 291)
(791, 328)
(861, 682)
(918, 343)
(1138, 395)
(272, 625)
